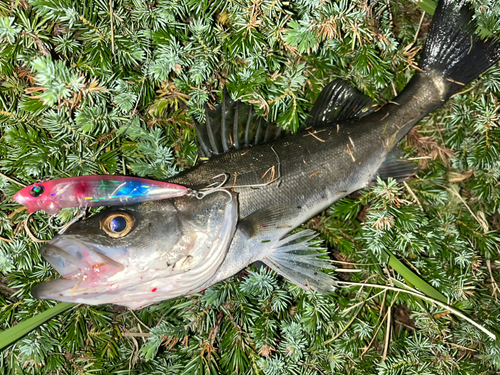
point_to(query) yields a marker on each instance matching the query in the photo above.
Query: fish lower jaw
(127, 291)
(95, 272)
(131, 288)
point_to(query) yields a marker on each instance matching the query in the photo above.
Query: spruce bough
(99, 87)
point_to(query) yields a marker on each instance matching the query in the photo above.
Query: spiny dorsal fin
(233, 125)
(339, 101)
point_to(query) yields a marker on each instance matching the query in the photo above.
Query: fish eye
(37, 190)
(118, 224)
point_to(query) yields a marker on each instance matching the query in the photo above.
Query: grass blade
(432, 300)
(414, 280)
(428, 6)
(13, 334)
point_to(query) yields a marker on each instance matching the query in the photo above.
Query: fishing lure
(93, 191)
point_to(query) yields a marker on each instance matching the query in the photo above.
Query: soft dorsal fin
(233, 125)
(339, 101)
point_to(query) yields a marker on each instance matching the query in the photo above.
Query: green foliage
(8, 31)
(59, 83)
(87, 89)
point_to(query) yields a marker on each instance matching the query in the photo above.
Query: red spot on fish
(264, 226)
(141, 277)
(154, 290)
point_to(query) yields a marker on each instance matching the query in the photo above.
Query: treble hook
(226, 177)
(62, 229)
(210, 189)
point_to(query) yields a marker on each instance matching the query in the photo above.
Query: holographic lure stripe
(92, 191)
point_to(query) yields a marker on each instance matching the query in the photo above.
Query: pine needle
(12, 180)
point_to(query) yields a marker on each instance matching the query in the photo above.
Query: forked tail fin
(453, 48)
(453, 56)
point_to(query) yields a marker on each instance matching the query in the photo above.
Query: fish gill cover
(110, 87)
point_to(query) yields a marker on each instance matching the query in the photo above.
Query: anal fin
(395, 167)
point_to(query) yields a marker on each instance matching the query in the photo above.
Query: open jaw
(91, 277)
(84, 270)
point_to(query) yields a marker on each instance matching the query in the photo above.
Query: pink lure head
(37, 197)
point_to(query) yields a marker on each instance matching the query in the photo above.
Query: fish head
(141, 254)
(38, 197)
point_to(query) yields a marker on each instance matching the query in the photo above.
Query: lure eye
(118, 224)
(37, 190)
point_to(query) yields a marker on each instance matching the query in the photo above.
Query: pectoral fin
(297, 257)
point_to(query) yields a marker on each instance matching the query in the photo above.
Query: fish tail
(453, 56)
(453, 50)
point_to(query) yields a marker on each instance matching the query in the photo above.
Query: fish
(93, 191)
(274, 180)
(196, 232)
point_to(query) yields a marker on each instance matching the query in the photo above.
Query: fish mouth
(83, 269)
